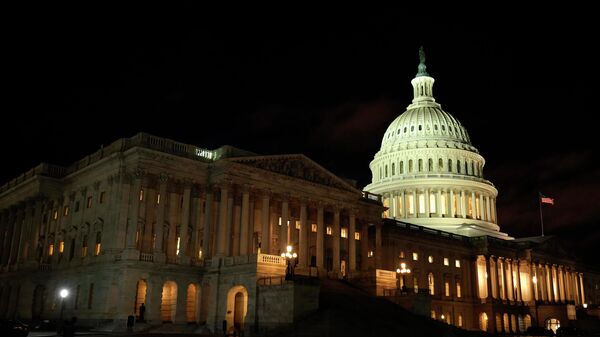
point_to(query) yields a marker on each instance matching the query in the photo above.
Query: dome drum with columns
(429, 173)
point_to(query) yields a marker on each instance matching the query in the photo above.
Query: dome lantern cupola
(429, 173)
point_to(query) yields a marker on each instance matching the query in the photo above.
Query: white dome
(428, 171)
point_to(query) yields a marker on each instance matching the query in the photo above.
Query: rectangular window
(458, 290)
(89, 202)
(447, 288)
(90, 295)
(370, 253)
(344, 232)
(297, 224)
(84, 246)
(178, 243)
(279, 221)
(66, 210)
(50, 250)
(158, 199)
(430, 259)
(141, 195)
(329, 230)
(102, 197)
(55, 215)
(76, 206)
(61, 247)
(401, 254)
(446, 261)
(356, 236)
(72, 249)
(415, 256)
(313, 227)
(457, 263)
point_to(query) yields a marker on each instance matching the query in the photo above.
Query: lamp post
(289, 255)
(402, 271)
(64, 293)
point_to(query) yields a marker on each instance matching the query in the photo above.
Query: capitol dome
(429, 173)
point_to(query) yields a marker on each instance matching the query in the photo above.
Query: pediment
(296, 166)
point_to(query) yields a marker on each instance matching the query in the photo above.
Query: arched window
(440, 164)
(435, 127)
(393, 168)
(380, 176)
(552, 324)
(386, 171)
(498, 322)
(401, 168)
(420, 165)
(459, 321)
(410, 166)
(513, 323)
(98, 243)
(506, 323)
(430, 165)
(431, 283)
(458, 166)
(483, 321)
(473, 168)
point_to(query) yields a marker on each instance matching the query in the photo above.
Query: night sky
(326, 86)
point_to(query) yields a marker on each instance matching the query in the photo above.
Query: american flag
(545, 200)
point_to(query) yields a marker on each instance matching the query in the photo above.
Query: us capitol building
(200, 236)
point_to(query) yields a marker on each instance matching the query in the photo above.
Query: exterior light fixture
(64, 293)
(585, 305)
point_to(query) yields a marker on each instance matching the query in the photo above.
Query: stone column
(208, 204)
(230, 221)
(283, 229)
(364, 245)
(581, 287)
(185, 224)
(427, 206)
(265, 228)
(320, 237)
(488, 279)
(438, 203)
(352, 241)
(196, 221)
(23, 233)
(16, 235)
(481, 208)
(392, 205)
(3, 234)
(403, 205)
(335, 238)
(451, 209)
(378, 245)
(463, 203)
(244, 241)
(159, 254)
(134, 208)
(303, 239)
(35, 231)
(222, 229)
(493, 206)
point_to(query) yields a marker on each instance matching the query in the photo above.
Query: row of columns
(518, 280)
(428, 166)
(19, 232)
(408, 204)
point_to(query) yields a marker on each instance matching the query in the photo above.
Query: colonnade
(440, 202)
(519, 280)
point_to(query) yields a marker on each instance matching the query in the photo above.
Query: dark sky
(323, 85)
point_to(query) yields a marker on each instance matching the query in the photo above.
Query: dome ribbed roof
(430, 124)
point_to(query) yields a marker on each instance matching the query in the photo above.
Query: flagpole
(541, 215)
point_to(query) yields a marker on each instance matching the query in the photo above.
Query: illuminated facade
(441, 224)
(191, 233)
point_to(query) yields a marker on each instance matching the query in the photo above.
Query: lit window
(297, 224)
(459, 321)
(313, 227)
(50, 250)
(401, 254)
(200, 253)
(447, 288)
(279, 221)
(344, 232)
(356, 236)
(102, 197)
(410, 203)
(431, 282)
(61, 247)
(457, 263)
(329, 230)
(370, 253)
(55, 215)
(415, 257)
(458, 290)
(430, 259)
(98, 244)
(66, 211)
(157, 198)
(446, 261)
(178, 242)
(89, 202)
(141, 195)
(433, 314)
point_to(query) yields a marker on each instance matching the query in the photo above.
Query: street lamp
(402, 271)
(64, 293)
(289, 255)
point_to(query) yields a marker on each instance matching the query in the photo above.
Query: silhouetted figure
(142, 312)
